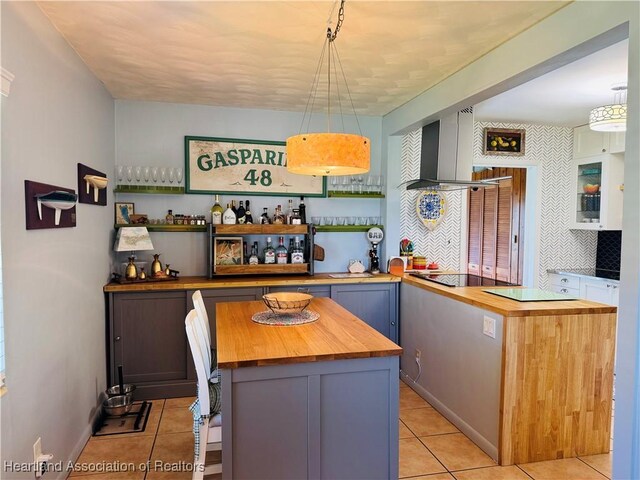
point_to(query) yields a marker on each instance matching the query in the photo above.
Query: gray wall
(56, 115)
(152, 134)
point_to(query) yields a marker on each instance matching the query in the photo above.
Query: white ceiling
(263, 54)
(564, 96)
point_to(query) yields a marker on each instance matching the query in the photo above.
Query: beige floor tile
(410, 399)
(426, 421)
(435, 476)
(565, 469)
(602, 463)
(122, 450)
(404, 431)
(415, 459)
(179, 402)
(172, 457)
(175, 420)
(457, 452)
(492, 473)
(138, 475)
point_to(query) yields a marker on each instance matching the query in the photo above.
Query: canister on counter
(419, 263)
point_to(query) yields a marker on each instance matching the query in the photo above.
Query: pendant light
(328, 153)
(613, 117)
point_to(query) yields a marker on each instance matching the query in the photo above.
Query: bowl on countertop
(591, 189)
(115, 390)
(118, 405)
(287, 302)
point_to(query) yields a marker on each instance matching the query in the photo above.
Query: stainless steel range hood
(446, 155)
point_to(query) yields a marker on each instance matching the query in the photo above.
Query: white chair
(210, 433)
(205, 332)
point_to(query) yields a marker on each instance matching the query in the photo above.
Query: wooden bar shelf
(345, 228)
(259, 229)
(149, 189)
(263, 269)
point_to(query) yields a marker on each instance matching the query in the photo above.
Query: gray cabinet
(374, 303)
(147, 337)
(315, 290)
(213, 297)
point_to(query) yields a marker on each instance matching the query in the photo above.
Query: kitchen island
(318, 400)
(536, 386)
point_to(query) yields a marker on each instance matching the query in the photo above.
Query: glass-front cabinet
(598, 190)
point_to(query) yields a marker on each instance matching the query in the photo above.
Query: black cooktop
(462, 280)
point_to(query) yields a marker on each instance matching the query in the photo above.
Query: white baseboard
(464, 427)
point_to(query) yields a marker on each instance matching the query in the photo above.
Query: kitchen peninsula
(323, 396)
(536, 385)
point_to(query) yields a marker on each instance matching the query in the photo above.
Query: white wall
(550, 150)
(57, 114)
(150, 133)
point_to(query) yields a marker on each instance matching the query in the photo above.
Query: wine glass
(163, 174)
(179, 173)
(360, 182)
(335, 181)
(145, 173)
(346, 183)
(138, 172)
(120, 172)
(154, 174)
(172, 175)
(129, 171)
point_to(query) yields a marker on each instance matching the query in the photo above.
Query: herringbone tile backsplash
(551, 149)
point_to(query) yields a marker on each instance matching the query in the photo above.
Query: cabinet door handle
(564, 290)
(608, 285)
(604, 150)
(564, 280)
(615, 286)
(393, 323)
(117, 339)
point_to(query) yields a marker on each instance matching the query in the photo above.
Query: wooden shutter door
(489, 227)
(503, 231)
(476, 205)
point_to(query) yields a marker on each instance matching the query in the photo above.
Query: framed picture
(503, 141)
(247, 167)
(227, 251)
(123, 211)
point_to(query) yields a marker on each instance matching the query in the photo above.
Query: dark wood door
(149, 338)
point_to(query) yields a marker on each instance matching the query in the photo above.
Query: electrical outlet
(40, 459)
(489, 326)
(418, 355)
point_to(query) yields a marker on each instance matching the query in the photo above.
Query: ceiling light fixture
(328, 153)
(611, 118)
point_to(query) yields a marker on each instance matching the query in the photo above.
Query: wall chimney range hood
(446, 157)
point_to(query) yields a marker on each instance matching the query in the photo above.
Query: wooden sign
(248, 167)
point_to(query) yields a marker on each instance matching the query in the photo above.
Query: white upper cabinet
(587, 142)
(597, 194)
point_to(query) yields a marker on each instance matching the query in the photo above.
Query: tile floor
(431, 448)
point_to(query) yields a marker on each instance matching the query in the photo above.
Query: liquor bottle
(248, 218)
(289, 212)
(228, 217)
(169, 218)
(245, 257)
(241, 213)
(269, 252)
(234, 208)
(290, 248)
(278, 217)
(295, 217)
(264, 218)
(303, 211)
(216, 212)
(297, 253)
(281, 252)
(253, 259)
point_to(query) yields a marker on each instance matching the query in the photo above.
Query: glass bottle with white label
(228, 217)
(281, 252)
(216, 212)
(253, 259)
(269, 252)
(297, 254)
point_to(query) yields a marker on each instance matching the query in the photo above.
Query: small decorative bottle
(131, 273)
(169, 218)
(167, 270)
(156, 266)
(228, 217)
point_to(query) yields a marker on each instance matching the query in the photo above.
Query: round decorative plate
(431, 207)
(284, 319)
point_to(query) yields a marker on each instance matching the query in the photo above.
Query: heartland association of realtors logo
(99, 467)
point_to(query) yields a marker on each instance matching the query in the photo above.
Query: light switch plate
(489, 326)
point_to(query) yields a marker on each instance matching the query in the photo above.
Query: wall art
(503, 141)
(49, 206)
(431, 207)
(92, 186)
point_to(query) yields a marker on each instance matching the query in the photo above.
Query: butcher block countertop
(203, 283)
(507, 307)
(336, 335)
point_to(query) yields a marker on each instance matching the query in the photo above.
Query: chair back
(199, 360)
(198, 304)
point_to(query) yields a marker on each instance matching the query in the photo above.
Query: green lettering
(280, 157)
(271, 158)
(207, 165)
(233, 157)
(257, 155)
(220, 161)
(244, 155)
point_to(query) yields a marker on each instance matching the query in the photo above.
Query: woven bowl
(287, 302)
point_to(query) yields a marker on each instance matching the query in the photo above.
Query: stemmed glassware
(120, 172)
(179, 173)
(138, 171)
(129, 171)
(172, 175)
(163, 174)
(145, 173)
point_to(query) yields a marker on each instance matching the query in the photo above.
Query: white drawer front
(566, 281)
(574, 292)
